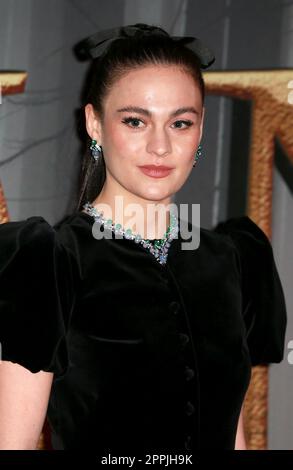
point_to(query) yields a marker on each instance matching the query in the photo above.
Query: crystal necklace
(159, 248)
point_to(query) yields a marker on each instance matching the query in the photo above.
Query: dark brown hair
(123, 55)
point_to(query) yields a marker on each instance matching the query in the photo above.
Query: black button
(189, 373)
(189, 409)
(167, 281)
(174, 307)
(187, 443)
(183, 338)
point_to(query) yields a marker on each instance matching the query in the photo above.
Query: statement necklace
(159, 248)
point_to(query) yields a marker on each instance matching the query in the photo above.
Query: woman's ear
(93, 125)
(202, 120)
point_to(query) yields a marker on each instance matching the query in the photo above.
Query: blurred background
(40, 150)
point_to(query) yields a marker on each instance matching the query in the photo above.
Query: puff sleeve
(263, 306)
(36, 295)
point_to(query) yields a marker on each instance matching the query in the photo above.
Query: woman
(135, 344)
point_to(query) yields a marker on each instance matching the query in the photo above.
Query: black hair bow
(95, 45)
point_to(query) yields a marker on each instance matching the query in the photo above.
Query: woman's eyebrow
(146, 112)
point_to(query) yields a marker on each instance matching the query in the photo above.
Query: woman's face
(164, 129)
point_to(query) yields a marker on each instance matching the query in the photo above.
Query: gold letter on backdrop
(10, 83)
(272, 117)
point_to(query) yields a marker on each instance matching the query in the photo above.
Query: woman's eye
(187, 124)
(129, 120)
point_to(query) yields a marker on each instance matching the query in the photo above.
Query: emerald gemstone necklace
(158, 248)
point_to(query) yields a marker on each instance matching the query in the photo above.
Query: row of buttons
(175, 307)
(188, 372)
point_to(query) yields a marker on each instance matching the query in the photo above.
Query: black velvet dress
(147, 357)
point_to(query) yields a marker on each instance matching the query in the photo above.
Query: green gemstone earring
(96, 150)
(198, 154)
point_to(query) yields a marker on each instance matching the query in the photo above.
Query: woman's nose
(159, 142)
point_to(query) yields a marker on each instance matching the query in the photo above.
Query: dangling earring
(96, 150)
(198, 154)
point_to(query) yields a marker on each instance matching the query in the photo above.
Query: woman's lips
(156, 171)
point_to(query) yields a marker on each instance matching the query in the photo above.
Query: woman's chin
(155, 195)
